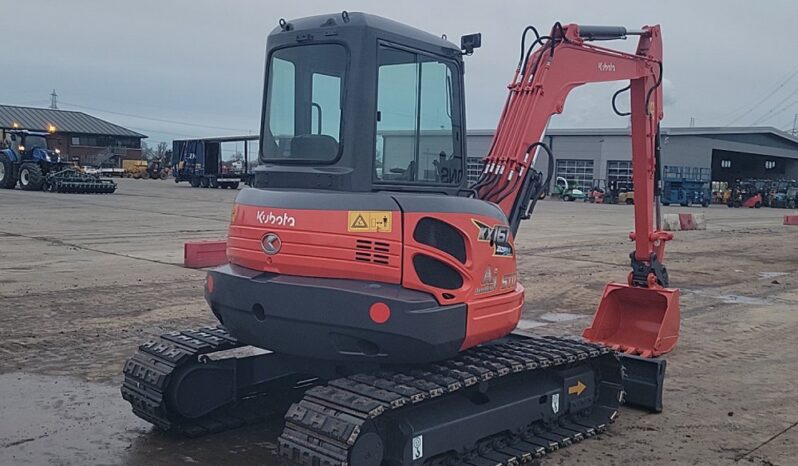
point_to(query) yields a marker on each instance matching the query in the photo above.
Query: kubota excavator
(371, 293)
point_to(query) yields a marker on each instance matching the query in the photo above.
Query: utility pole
(692, 122)
(54, 100)
(795, 125)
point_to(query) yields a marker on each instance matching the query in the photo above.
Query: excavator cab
(362, 103)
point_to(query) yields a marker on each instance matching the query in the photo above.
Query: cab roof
(362, 21)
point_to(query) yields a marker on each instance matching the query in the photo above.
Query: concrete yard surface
(85, 278)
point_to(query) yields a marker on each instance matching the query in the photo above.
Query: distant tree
(160, 151)
(146, 151)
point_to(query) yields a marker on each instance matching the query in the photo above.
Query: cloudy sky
(183, 68)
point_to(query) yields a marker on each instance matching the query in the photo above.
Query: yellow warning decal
(369, 221)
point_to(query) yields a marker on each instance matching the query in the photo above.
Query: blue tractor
(25, 159)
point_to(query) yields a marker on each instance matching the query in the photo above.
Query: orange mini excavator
(371, 291)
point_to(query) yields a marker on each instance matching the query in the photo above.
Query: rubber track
(147, 376)
(321, 429)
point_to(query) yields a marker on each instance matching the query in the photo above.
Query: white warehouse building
(730, 153)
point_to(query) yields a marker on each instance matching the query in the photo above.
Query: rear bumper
(326, 318)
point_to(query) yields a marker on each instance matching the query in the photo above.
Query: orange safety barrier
(207, 253)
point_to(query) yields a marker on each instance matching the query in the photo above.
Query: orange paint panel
(490, 286)
(314, 244)
(481, 257)
(494, 317)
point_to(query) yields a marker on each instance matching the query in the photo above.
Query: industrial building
(730, 153)
(82, 138)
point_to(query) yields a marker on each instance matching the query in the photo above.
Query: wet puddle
(548, 318)
(737, 299)
(560, 317)
(730, 298)
(527, 324)
(769, 275)
(65, 421)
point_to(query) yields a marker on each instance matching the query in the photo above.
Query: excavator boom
(543, 79)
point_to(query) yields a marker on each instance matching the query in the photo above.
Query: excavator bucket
(636, 320)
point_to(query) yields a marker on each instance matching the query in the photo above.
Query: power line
(162, 120)
(158, 131)
(781, 107)
(762, 100)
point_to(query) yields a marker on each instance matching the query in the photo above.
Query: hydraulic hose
(615, 96)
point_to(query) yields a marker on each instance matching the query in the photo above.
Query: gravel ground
(85, 278)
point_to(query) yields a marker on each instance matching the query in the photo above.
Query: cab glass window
(418, 119)
(305, 89)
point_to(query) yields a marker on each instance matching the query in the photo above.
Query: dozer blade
(636, 320)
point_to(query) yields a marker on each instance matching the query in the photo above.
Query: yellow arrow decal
(577, 389)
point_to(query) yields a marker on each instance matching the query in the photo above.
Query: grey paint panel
(448, 204)
(316, 199)
(336, 200)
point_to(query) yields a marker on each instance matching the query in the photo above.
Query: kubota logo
(271, 219)
(606, 66)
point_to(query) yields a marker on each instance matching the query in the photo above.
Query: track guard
(643, 381)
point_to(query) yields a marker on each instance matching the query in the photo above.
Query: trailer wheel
(791, 204)
(195, 181)
(757, 205)
(234, 185)
(7, 180)
(705, 204)
(213, 182)
(203, 182)
(30, 177)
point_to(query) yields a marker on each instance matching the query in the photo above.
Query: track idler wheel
(368, 450)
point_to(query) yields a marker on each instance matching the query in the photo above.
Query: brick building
(81, 138)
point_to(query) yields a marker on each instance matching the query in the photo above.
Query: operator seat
(316, 146)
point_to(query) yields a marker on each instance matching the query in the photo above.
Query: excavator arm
(545, 76)
(547, 72)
